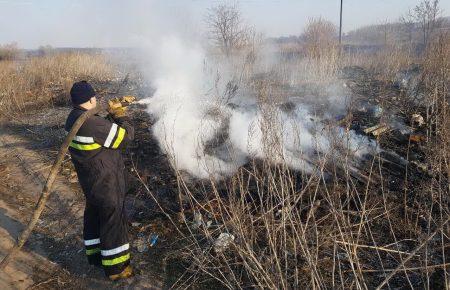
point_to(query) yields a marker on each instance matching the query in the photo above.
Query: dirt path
(53, 257)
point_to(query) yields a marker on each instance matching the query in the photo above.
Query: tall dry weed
(46, 80)
(386, 63)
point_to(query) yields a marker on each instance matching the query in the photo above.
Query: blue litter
(153, 239)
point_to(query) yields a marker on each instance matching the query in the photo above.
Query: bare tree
(408, 22)
(227, 29)
(320, 35)
(426, 13)
(386, 29)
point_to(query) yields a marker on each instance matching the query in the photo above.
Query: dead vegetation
(9, 51)
(228, 32)
(384, 224)
(271, 227)
(42, 81)
(320, 37)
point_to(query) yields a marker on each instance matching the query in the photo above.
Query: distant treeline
(391, 33)
(88, 50)
(372, 38)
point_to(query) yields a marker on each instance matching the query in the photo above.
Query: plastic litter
(141, 243)
(417, 120)
(198, 220)
(153, 239)
(223, 242)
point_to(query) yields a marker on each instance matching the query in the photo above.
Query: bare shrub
(227, 29)
(45, 50)
(317, 58)
(320, 37)
(9, 51)
(408, 22)
(426, 13)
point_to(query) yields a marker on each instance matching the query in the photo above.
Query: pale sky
(103, 23)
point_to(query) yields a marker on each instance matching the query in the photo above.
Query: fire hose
(48, 186)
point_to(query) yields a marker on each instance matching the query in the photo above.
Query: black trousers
(102, 179)
(106, 236)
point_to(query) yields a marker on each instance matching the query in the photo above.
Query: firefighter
(97, 158)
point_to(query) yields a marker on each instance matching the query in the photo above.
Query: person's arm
(113, 135)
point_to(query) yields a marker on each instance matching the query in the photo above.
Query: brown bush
(320, 37)
(9, 51)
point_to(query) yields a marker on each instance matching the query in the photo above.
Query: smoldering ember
(197, 146)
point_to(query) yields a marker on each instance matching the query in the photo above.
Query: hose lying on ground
(46, 190)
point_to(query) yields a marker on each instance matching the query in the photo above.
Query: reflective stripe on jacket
(97, 160)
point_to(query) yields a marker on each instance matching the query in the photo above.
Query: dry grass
(387, 62)
(299, 231)
(47, 80)
(319, 37)
(295, 230)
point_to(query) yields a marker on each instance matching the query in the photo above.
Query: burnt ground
(54, 258)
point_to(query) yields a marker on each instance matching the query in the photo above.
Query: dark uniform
(97, 158)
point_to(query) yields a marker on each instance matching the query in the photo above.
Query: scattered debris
(223, 242)
(73, 177)
(377, 129)
(417, 138)
(141, 243)
(420, 166)
(417, 120)
(377, 111)
(4, 169)
(198, 220)
(153, 239)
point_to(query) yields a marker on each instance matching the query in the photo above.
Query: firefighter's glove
(116, 109)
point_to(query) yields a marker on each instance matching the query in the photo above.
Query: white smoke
(207, 134)
(180, 103)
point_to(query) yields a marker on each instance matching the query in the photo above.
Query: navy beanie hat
(81, 92)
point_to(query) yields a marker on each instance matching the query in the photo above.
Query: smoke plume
(213, 114)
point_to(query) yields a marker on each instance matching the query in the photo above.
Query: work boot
(126, 273)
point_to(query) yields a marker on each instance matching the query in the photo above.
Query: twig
(407, 269)
(372, 247)
(154, 198)
(42, 283)
(402, 264)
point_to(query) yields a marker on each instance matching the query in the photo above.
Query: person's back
(97, 158)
